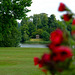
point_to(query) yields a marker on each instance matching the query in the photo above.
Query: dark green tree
(32, 28)
(68, 25)
(39, 24)
(37, 21)
(10, 35)
(10, 11)
(15, 8)
(24, 33)
(52, 23)
(24, 21)
(45, 36)
(40, 21)
(44, 20)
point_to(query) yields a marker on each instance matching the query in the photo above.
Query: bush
(45, 36)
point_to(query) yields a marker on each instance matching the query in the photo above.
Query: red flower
(40, 65)
(51, 46)
(62, 7)
(73, 23)
(56, 36)
(36, 60)
(45, 60)
(67, 17)
(61, 53)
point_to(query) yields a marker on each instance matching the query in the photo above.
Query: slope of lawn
(19, 61)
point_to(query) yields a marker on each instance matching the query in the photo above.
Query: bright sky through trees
(49, 7)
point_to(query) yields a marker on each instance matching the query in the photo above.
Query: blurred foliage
(15, 8)
(10, 11)
(45, 36)
(10, 35)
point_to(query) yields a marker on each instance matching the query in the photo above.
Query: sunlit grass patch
(36, 39)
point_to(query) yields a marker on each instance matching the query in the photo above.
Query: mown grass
(19, 61)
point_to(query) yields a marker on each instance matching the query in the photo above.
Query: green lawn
(19, 61)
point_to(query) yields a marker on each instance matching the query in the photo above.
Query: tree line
(39, 24)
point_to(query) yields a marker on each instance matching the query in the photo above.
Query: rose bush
(60, 56)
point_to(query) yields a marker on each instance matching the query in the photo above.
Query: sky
(50, 7)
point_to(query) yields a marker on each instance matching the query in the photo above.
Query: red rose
(67, 17)
(44, 60)
(46, 57)
(40, 65)
(73, 23)
(56, 36)
(36, 60)
(51, 46)
(62, 7)
(61, 53)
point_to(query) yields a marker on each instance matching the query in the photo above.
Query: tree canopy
(14, 8)
(41, 25)
(10, 11)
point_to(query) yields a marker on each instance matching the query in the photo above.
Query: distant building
(37, 36)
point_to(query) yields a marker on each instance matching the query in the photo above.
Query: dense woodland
(39, 24)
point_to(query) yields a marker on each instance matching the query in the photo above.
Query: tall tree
(24, 29)
(10, 35)
(40, 21)
(52, 23)
(15, 8)
(32, 28)
(24, 21)
(44, 20)
(24, 32)
(10, 10)
(36, 20)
